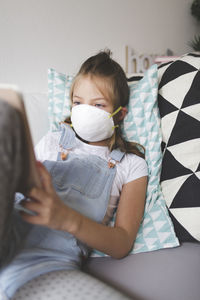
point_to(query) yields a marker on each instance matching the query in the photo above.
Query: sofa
(171, 272)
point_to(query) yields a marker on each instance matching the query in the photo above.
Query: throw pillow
(141, 125)
(58, 95)
(179, 105)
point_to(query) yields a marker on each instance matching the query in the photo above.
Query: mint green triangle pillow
(58, 95)
(142, 125)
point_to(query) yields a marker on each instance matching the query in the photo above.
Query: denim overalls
(83, 183)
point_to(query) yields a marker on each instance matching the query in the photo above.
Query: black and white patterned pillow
(179, 105)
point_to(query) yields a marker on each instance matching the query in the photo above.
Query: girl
(87, 173)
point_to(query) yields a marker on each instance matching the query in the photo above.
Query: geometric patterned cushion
(58, 95)
(179, 105)
(142, 125)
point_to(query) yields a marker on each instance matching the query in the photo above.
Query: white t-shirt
(130, 168)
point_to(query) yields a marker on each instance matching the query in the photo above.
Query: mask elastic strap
(115, 126)
(115, 112)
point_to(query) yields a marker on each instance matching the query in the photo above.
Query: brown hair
(113, 85)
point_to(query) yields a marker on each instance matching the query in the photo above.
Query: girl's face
(86, 92)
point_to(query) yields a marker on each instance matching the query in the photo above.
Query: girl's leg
(63, 285)
(11, 162)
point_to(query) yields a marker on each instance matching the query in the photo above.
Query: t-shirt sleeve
(136, 167)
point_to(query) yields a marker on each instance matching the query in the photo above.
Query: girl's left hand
(49, 208)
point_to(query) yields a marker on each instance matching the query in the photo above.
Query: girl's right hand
(49, 208)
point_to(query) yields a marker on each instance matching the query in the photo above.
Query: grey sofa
(170, 273)
(158, 275)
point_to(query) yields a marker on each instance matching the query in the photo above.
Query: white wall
(38, 34)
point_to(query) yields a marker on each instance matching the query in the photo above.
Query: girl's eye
(99, 105)
(76, 102)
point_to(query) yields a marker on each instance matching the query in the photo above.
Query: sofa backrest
(36, 105)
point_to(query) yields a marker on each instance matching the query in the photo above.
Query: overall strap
(67, 139)
(66, 142)
(117, 155)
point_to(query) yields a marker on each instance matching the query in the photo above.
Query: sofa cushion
(142, 125)
(179, 105)
(58, 95)
(167, 274)
(63, 285)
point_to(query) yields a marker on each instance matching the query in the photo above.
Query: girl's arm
(115, 241)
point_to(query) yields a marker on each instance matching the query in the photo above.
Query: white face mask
(92, 124)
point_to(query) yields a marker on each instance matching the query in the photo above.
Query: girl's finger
(38, 194)
(45, 176)
(31, 219)
(32, 205)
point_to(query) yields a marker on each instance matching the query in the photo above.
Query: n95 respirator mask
(92, 124)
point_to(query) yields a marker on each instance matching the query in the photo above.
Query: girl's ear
(122, 113)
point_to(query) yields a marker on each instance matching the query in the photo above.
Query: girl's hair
(113, 86)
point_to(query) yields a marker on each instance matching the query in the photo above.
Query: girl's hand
(49, 208)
